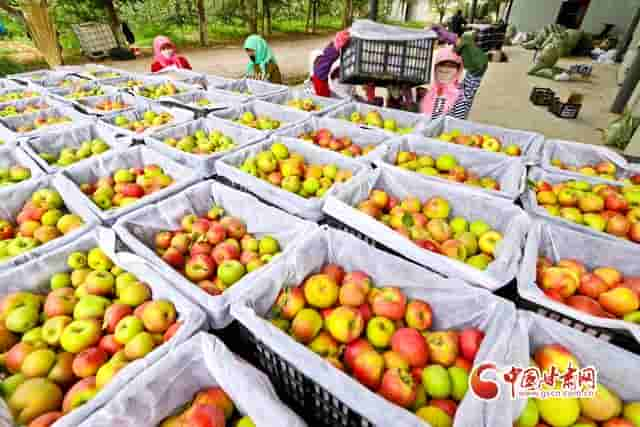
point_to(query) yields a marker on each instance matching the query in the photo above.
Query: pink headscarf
(451, 90)
(158, 43)
(342, 38)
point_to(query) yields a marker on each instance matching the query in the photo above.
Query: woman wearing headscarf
(164, 55)
(262, 62)
(323, 65)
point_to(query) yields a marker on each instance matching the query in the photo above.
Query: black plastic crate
(564, 110)
(617, 337)
(542, 96)
(387, 61)
(317, 406)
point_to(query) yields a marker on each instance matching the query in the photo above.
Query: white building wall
(532, 15)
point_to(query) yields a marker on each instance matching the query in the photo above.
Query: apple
(60, 302)
(306, 325)
(345, 324)
(436, 207)
(390, 303)
(200, 267)
(53, 327)
(411, 345)
(90, 307)
(230, 271)
(79, 394)
(87, 362)
(398, 387)
(127, 328)
(109, 344)
(139, 346)
(379, 332)
(321, 291)
(200, 415)
(134, 294)
(488, 242)
(79, 335)
(33, 398)
(470, 341)
(289, 302)
(368, 368)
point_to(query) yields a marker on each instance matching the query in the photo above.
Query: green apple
(107, 371)
(127, 328)
(20, 245)
(10, 384)
(134, 294)
(245, 422)
(60, 280)
(77, 260)
(80, 335)
(379, 332)
(34, 337)
(91, 307)
(230, 271)
(51, 217)
(53, 328)
(22, 319)
(98, 260)
(124, 279)
(479, 228)
(268, 246)
(100, 282)
(459, 225)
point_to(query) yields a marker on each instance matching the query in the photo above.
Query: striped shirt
(462, 106)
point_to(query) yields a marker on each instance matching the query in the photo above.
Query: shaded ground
(503, 99)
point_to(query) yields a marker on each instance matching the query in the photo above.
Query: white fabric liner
(455, 305)
(34, 277)
(138, 231)
(369, 30)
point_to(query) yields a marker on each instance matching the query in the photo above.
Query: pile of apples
(13, 175)
(149, 119)
(41, 122)
(446, 166)
(68, 156)
(306, 104)
(41, 219)
(86, 93)
(104, 74)
(108, 105)
(374, 118)
(383, 339)
(19, 94)
(604, 170)
(603, 292)
(605, 409)
(485, 142)
(429, 226)
(67, 82)
(258, 122)
(12, 110)
(130, 84)
(211, 407)
(602, 207)
(202, 142)
(325, 139)
(60, 349)
(158, 91)
(290, 171)
(126, 186)
(214, 251)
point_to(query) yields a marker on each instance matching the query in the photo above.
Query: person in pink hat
(164, 55)
(457, 73)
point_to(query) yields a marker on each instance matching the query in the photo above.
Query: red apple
(410, 344)
(592, 285)
(354, 349)
(368, 368)
(470, 340)
(112, 316)
(200, 267)
(335, 272)
(390, 303)
(216, 234)
(448, 406)
(398, 387)
(109, 344)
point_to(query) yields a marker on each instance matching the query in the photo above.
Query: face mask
(446, 74)
(252, 58)
(167, 53)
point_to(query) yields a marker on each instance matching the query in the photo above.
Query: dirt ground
(503, 98)
(230, 60)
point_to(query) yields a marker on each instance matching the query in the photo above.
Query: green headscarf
(264, 55)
